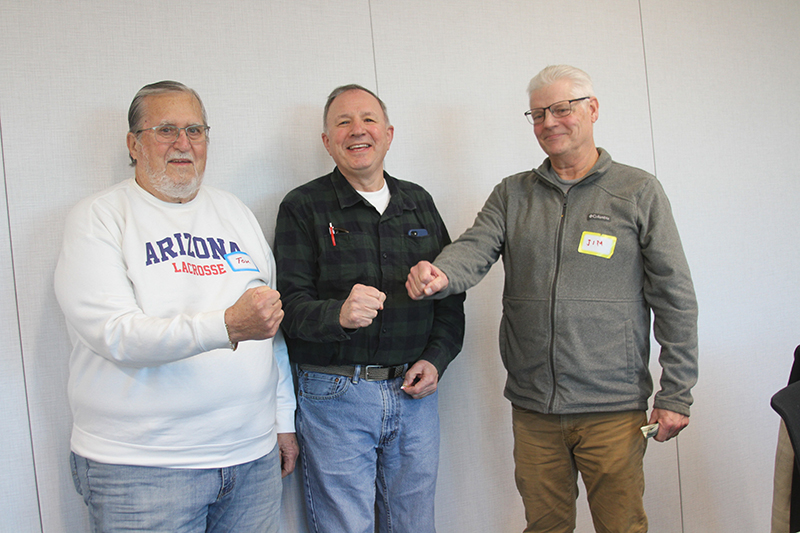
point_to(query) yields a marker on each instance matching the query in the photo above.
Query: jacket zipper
(559, 237)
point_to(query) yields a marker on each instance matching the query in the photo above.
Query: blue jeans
(245, 497)
(367, 445)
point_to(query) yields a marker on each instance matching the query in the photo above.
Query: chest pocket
(353, 260)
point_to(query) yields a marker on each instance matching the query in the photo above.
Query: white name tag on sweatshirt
(597, 244)
(240, 261)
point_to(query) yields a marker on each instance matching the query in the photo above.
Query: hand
(256, 315)
(425, 279)
(421, 380)
(289, 450)
(670, 423)
(361, 307)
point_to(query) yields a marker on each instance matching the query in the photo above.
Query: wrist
(231, 344)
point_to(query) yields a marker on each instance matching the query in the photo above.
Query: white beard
(169, 187)
(173, 189)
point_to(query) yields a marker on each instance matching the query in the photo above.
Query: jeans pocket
(318, 386)
(73, 466)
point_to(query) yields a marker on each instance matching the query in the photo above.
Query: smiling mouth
(358, 147)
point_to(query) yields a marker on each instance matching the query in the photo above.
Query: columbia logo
(596, 216)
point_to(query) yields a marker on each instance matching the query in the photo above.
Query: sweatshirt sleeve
(470, 257)
(285, 397)
(670, 293)
(100, 305)
(286, 401)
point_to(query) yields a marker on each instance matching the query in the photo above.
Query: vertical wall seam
(374, 55)
(655, 172)
(19, 326)
(680, 483)
(647, 90)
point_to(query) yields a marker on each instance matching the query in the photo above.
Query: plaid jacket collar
(348, 196)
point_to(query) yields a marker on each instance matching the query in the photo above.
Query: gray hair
(137, 109)
(581, 82)
(343, 89)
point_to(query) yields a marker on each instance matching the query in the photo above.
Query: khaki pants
(606, 448)
(782, 482)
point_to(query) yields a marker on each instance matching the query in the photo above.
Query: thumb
(436, 284)
(410, 378)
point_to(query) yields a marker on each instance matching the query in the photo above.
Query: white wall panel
(18, 493)
(723, 82)
(719, 80)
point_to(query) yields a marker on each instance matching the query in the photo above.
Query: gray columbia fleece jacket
(582, 273)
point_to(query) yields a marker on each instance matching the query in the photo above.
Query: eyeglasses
(558, 110)
(168, 133)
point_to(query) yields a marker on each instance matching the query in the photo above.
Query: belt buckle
(374, 367)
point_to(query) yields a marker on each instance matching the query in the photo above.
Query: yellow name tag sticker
(597, 244)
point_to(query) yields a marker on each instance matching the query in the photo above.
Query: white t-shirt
(378, 199)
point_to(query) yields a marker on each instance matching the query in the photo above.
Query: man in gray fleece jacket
(589, 249)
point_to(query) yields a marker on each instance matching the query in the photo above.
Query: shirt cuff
(211, 331)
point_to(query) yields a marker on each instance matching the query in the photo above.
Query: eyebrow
(362, 114)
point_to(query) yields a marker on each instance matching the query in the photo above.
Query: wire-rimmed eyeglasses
(558, 110)
(169, 133)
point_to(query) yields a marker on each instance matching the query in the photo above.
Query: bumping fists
(363, 303)
(256, 315)
(425, 279)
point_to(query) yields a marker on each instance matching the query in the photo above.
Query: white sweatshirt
(144, 285)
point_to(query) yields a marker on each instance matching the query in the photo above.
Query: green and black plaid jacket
(315, 277)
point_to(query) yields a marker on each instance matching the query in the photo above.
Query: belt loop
(356, 373)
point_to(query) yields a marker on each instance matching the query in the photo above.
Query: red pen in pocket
(330, 228)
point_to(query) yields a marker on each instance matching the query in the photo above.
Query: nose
(549, 119)
(357, 127)
(182, 142)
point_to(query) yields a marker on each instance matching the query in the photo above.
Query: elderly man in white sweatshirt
(180, 386)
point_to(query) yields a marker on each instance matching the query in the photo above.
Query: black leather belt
(368, 372)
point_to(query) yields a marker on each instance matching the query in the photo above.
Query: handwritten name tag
(240, 261)
(597, 244)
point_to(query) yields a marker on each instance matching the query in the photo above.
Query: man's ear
(326, 142)
(390, 129)
(134, 146)
(594, 108)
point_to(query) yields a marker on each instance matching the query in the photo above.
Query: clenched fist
(361, 307)
(256, 315)
(425, 279)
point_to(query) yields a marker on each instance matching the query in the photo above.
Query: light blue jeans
(367, 445)
(245, 497)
